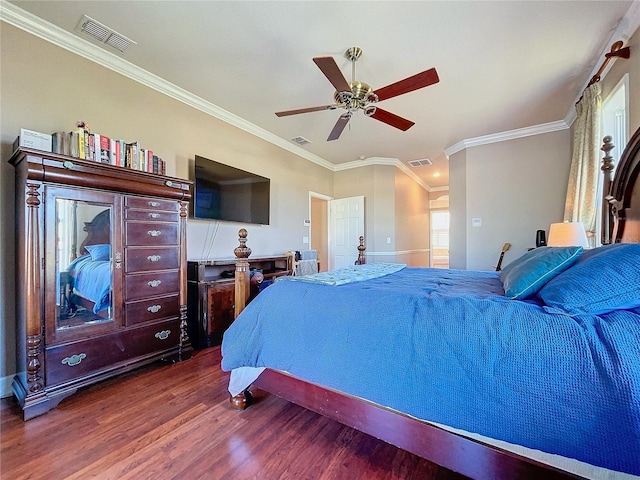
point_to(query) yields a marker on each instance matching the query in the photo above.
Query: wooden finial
(607, 160)
(242, 251)
(607, 168)
(242, 276)
(361, 248)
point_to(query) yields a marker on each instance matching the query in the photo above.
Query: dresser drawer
(151, 204)
(72, 361)
(148, 259)
(151, 215)
(151, 233)
(152, 309)
(144, 285)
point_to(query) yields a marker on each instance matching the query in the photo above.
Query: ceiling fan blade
(392, 119)
(420, 80)
(305, 110)
(331, 70)
(339, 126)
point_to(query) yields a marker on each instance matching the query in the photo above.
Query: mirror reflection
(83, 263)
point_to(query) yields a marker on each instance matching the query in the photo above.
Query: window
(614, 123)
(614, 115)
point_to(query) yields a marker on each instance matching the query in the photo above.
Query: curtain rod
(617, 51)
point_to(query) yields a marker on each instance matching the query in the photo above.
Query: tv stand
(211, 293)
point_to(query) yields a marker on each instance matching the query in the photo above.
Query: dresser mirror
(84, 266)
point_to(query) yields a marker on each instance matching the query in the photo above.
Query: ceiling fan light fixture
(370, 110)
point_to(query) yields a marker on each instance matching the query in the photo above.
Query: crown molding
(508, 135)
(38, 27)
(394, 162)
(34, 25)
(625, 29)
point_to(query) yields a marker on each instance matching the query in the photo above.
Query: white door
(346, 225)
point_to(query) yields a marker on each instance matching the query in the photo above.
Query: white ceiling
(503, 65)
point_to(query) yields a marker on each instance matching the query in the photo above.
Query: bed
(90, 279)
(89, 275)
(532, 372)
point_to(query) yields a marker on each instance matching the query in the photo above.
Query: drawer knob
(153, 258)
(154, 233)
(154, 204)
(153, 215)
(74, 360)
(154, 283)
(169, 183)
(163, 335)
(154, 308)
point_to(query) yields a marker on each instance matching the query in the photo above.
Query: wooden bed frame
(621, 223)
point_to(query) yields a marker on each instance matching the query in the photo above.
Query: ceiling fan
(355, 95)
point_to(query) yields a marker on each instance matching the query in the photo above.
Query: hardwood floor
(174, 421)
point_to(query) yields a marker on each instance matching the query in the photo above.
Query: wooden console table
(211, 293)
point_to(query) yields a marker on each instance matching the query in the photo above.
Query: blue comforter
(447, 346)
(92, 280)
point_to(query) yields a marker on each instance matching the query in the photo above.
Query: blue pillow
(99, 252)
(526, 275)
(604, 279)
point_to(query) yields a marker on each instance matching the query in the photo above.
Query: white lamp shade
(567, 234)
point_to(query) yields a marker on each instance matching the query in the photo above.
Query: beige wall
(515, 188)
(458, 210)
(519, 186)
(47, 89)
(411, 222)
(356, 182)
(395, 221)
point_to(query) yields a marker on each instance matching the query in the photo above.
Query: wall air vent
(104, 34)
(420, 162)
(300, 140)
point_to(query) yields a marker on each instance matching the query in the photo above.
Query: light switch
(476, 222)
(305, 239)
(389, 240)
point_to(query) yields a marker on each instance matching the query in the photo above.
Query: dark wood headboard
(98, 230)
(621, 210)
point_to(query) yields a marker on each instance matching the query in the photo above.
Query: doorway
(440, 238)
(319, 231)
(336, 227)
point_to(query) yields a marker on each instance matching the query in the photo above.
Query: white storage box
(31, 139)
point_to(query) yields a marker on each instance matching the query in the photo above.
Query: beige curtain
(582, 192)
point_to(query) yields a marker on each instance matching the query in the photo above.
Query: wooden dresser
(101, 274)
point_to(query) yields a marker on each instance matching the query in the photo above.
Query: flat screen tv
(226, 193)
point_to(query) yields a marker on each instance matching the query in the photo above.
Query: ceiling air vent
(300, 140)
(104, 34)
(420, 162)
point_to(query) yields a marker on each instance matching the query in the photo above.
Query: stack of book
(82, 144)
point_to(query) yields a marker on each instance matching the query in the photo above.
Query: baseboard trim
(399, 252)
(5, 386)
